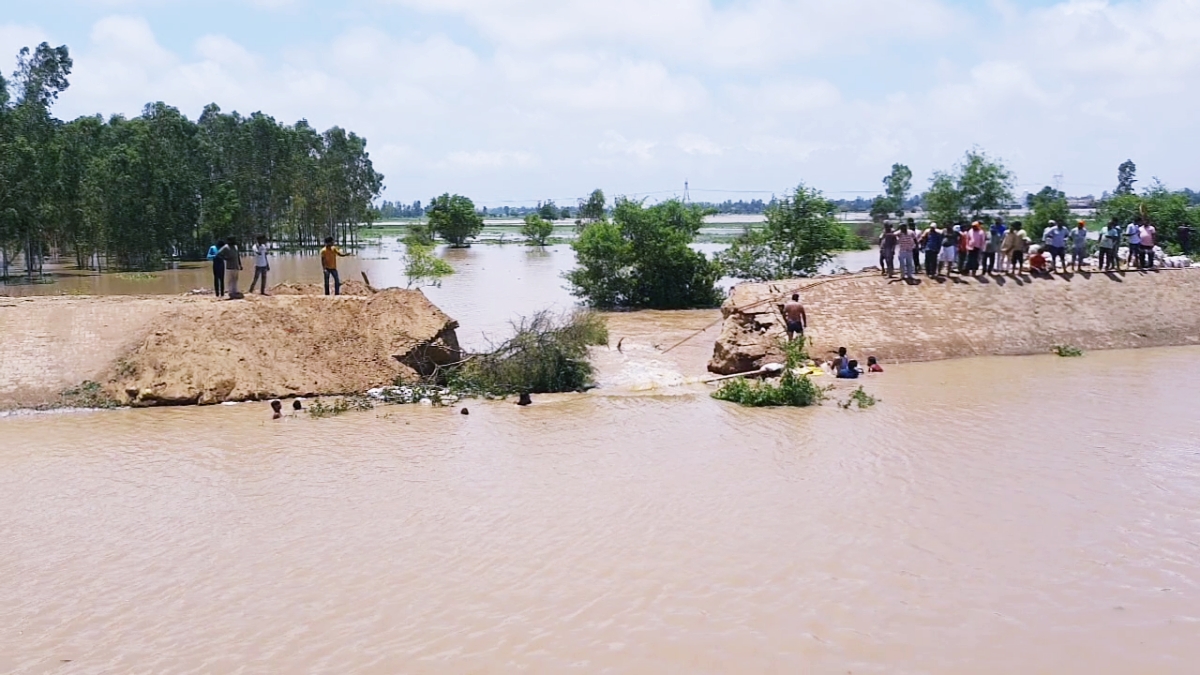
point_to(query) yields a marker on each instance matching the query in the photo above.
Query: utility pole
(1058, 182)
(686, 197)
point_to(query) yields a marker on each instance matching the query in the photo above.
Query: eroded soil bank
(186, 350)
(930, 320)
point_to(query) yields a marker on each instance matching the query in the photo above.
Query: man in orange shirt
(329, 256)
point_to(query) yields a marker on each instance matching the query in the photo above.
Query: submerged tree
(800, 235)
(593, 208)
(642, 258)
(422, 267)
(453, 218)
(133, 193)
(536, 230)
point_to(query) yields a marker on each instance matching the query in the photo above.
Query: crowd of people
(1000, 248)
(226, 261)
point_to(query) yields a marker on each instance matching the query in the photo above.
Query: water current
(993, 515)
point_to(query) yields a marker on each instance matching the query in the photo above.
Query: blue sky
(511, 101)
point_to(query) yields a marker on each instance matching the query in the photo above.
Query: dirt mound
(348, 288)
(300, 345)
(930, 320)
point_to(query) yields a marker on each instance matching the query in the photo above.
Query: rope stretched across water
(840, 277)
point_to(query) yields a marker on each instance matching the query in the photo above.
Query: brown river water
(993, 515)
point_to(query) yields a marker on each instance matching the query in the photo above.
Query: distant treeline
(135, 193)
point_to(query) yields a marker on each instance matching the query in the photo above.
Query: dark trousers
(916, 258)
(260, 274)
(218, 277)
(337, 282)
(1146, 257)
(887, 260)
(931, 266)
(973, 260)
(989, 262)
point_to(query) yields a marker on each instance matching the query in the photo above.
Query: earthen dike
(972, 316)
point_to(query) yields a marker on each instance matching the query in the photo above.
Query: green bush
(642, 259)
(320, 408)
(791, 390)
(1067, 350)
(536, 230)
(547, 353)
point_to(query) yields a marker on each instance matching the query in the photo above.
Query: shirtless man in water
(793, 314)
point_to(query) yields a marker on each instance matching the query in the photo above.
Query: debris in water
(524, 400)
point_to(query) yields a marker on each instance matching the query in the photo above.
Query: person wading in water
(795, 317)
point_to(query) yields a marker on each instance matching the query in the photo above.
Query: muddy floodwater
(1009, 515)
(994, 515)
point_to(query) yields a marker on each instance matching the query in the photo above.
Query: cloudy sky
(512, 101)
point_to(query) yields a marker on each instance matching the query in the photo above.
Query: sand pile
(297, 345)
(348, 288)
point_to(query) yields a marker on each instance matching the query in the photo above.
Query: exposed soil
(958, 317)
(185, 350)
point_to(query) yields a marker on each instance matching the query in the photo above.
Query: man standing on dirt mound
(329, 256)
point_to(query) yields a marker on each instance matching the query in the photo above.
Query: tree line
(137, 193)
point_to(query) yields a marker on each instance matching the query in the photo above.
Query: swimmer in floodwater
(795, 317)
(850, 372)
(297, 405)
(842, 361)
(873, 365)
(524, 399)
(276, 409)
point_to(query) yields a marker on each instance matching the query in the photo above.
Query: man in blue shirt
(1055, 239)
(218, 267)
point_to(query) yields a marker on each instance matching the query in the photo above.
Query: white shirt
(1134, 236)
(260, 255)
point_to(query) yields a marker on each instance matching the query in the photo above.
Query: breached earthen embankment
(165, 350)
(931, 320)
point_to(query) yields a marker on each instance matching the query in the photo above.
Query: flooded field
(492, 285)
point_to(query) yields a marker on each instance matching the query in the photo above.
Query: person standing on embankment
(233, 267)
(795, 317)
(261, 266)
(931, 239)
(906, 243)
(329, 256)
(218, 267)
(887, 250)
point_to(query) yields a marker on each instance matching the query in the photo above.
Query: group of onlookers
(977, 249)
(227, 266)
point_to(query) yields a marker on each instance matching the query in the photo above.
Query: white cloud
(616, 144)
(562, 97)
(487, 159)
(697, 144)
(13, 37)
